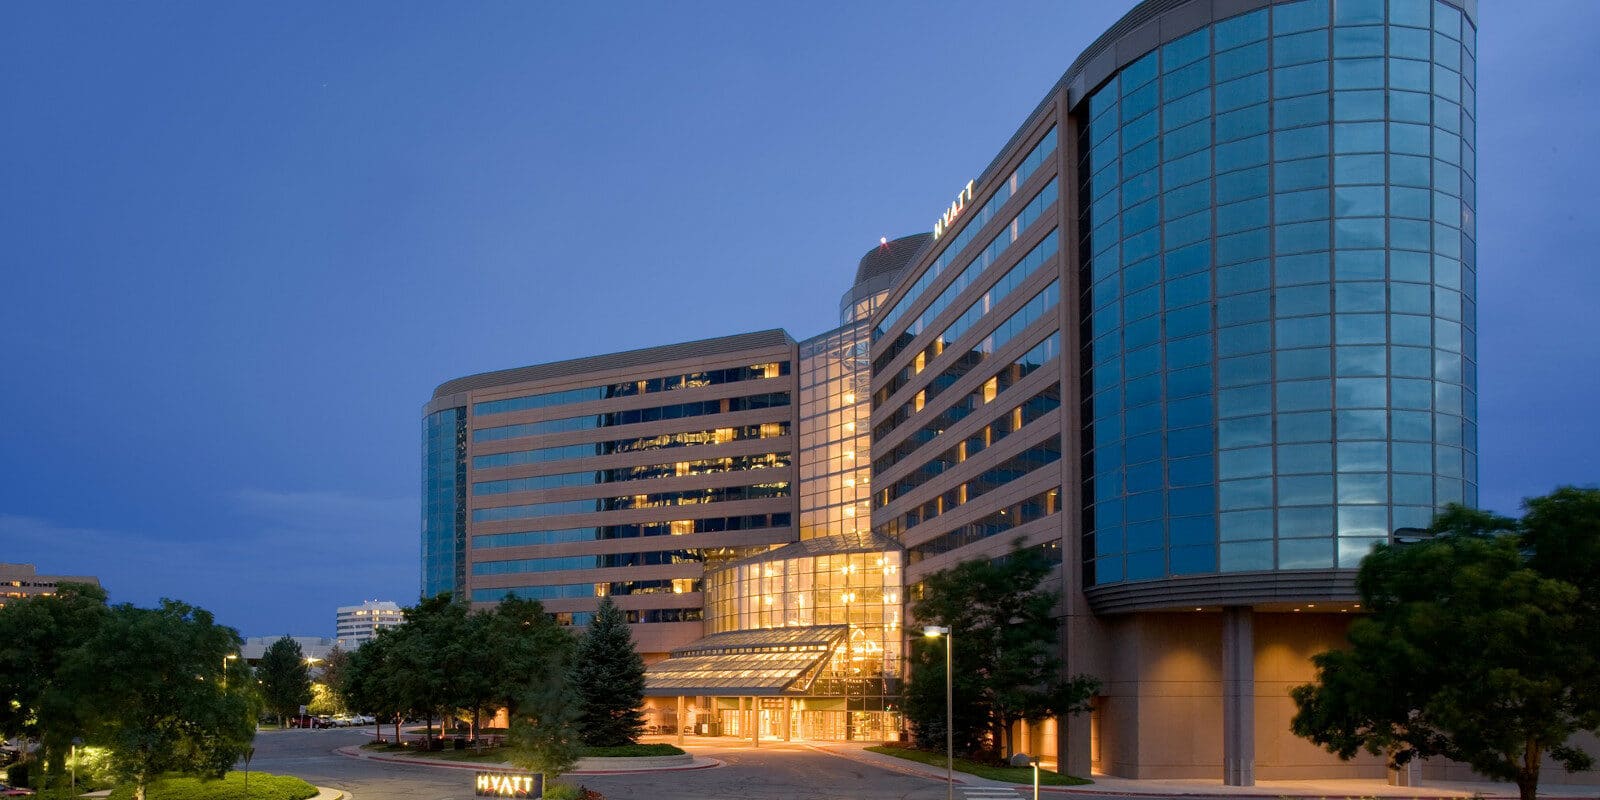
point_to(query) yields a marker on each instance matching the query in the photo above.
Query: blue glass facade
(1279, 277)
(444, 502)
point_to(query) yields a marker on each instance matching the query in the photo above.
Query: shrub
(263, 786)
(630, 751)
(17, 774)
(563, 791)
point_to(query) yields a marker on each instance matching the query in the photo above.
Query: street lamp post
(225, 660)
(934, 632)
(73, 759)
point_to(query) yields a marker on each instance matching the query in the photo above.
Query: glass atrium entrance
(804, 643)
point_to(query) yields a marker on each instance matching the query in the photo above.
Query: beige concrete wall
(1284, 645)
(1550, 773)
(1160, 711)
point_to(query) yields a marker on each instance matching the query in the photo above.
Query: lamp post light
(934, 632)
(73, 759)
(225, 660)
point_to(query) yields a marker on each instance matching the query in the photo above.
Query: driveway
(775, 772)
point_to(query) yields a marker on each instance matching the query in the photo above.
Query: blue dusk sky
(242, 242)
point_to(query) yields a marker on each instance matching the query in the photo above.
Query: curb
(324, 793)
(905, 767)
(917, 769)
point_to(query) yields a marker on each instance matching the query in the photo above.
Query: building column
(788, 720)
(683, 720)
(755, 722)
(1238, 697)
(1073, 757)
(741, 717)
(1408, 775)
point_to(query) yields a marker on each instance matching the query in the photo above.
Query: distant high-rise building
(23, 580)
(356, 624)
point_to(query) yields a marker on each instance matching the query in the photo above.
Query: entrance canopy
(766, 662)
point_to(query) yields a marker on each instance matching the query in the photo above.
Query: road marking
(988, 793)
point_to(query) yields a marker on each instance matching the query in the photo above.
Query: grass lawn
(1008, 774)
(262, 787)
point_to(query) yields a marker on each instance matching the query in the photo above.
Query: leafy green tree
(608, 677)
(369, 681)
(528, 649)
(1479, 645)
(480, 642)
(335, 669)
(37, 635)
(285, 678)
(1005, 653)
(150, 682)
(429, 653)
(544, 733)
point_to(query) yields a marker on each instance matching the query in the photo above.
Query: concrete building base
(1163, 710)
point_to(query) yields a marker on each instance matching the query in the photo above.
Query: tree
(369, 683)
(427, 653)
(37, 635)
(1479, 645)
(1005, 653)
(285, 678)
(544, 733)
(150, 682)
(608, 677)
(529, 649)
(335, 676)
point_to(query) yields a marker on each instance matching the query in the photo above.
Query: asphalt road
(772, 773)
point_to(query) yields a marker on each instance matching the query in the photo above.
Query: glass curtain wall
(444, 504)
(856, 696)
(1281, 269)
(835, 428)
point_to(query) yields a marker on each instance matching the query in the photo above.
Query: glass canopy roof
(772, 661)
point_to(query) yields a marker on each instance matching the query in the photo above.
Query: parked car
(308, 721)
(7, 790)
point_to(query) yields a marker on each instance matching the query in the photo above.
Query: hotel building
(1235, 243)
(1203, 331)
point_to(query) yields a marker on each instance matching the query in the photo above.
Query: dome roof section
(891, 257)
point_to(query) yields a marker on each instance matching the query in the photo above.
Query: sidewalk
(1106, 786)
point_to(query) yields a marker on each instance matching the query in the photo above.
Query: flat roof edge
(699, 348)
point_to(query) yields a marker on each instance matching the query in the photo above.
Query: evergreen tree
(608, 677)
(285, 678)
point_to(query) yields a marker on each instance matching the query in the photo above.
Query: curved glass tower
(1247, 226)
(1278, 280)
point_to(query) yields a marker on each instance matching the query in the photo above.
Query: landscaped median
(991, 771)
(622, 758)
